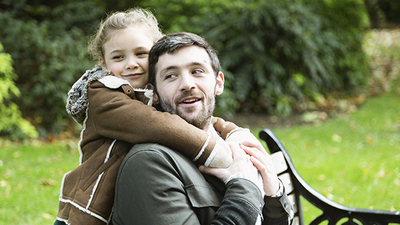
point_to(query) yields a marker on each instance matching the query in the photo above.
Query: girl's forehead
(133, 30)
(127, 39)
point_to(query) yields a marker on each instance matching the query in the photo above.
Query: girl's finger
(250, 144)
(253, 145)
(253, 151)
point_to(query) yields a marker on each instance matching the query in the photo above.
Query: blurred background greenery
(279, 57)
(287, 62)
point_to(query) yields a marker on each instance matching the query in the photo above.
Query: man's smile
(190, 101)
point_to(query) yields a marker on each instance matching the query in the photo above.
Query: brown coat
(115, 121)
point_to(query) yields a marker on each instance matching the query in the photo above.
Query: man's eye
(170, 76)
(197, 71)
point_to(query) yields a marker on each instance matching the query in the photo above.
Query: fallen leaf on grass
(47, 216)
(7, 174)
(48, 182)
(3, 183)
(337, 138)
(321, 177)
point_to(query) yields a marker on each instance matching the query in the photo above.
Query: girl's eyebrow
(141, 47)
(115, 51)
(136, 49)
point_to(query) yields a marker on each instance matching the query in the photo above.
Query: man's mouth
(190, 100)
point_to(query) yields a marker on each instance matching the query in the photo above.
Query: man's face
(186, 85)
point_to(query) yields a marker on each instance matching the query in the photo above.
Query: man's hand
(241, 167)
(262, 160)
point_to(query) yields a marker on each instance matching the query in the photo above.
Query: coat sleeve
(277, 210)
(115, 115)
(150, 190)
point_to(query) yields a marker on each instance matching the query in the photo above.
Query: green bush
(48, 45)
(279, 54)
(390, 10)
(11, 123)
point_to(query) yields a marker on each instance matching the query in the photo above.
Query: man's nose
(187, 82)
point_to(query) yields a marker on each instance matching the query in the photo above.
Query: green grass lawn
(30, 180)
(354, 159)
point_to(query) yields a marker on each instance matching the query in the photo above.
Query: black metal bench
(332, 212)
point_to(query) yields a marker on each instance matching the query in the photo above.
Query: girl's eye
(142, 53)
(117, 57)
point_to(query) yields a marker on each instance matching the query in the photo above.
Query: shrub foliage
(11, 122)
(276, 55)
(48, 44)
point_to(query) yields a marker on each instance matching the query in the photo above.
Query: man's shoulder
(157, 154)
(153, 147)
(148, 158)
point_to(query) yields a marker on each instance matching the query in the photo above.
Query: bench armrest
(331, 211)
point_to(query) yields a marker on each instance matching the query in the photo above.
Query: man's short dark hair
(173, 42)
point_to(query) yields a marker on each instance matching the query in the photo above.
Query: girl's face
(126, 55)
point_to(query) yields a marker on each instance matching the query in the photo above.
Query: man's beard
(203, 118)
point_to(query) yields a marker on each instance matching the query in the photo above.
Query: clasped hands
(248, 159)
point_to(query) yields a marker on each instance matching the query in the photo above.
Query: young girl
(113, 103)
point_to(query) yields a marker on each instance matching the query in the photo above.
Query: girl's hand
(241, 167)
(263, 162)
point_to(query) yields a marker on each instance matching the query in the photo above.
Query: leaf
(369, 139)
(47, 216)
(48, 182)
(337, 138)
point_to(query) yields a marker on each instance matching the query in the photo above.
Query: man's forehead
(183, 57)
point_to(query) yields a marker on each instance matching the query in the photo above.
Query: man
(157, 185)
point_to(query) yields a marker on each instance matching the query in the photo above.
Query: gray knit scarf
(77, 100)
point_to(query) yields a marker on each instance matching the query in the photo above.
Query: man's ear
(102, 63)
(219, 88)
(156, 101)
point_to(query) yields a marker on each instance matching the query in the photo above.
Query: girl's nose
(131, 64)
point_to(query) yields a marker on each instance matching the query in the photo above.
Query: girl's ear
(219, 88)
(102, 63)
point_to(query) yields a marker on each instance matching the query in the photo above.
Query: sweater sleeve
(223, 127)
(114, 114)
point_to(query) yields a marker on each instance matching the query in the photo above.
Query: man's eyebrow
(168, 68)
(196, 64)
(173, 67)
